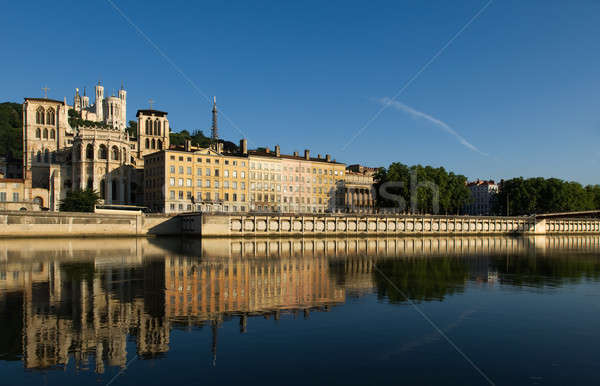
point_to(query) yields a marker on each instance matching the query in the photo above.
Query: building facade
(86, 145)
(483, 194)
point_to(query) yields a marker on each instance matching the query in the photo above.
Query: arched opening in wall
(52, 134)
(90, 183)
(46, 156)
(50, 116)
(102, 152)
(153, 144)
(89, 151)
(103, 189)
(114, 191)
(39, 156)
(38, 201)
(148, 127)
(124, 154)
(45, 133)
(147, 143)
(157, 125)
(115, 153)
(159, 144)
(38, 133)
(39, 116)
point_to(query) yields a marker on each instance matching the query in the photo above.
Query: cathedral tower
(99, 100)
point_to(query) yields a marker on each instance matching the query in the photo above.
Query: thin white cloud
(418, 114)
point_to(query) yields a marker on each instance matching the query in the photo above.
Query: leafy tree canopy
(11, 130)
(545, 195)
(80, 201)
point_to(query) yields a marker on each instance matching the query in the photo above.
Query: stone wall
(215, 225)
(63, 224)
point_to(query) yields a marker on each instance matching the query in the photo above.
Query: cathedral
(87, 145)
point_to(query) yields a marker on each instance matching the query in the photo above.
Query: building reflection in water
(81, 301)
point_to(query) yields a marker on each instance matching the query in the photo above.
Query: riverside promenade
(230, 225)
(63, 224)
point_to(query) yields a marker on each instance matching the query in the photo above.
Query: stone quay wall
(65, 224)
(222, 225)
(62, 224)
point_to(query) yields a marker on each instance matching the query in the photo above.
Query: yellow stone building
(195, 179)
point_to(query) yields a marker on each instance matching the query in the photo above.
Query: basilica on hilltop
(87, 145)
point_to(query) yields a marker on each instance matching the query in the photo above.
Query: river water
(473, 310)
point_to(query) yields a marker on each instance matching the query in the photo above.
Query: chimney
(188, 145)
(277, 151)
(295, 154)
(307, 154)
(244, 146)
(327, 157)
(267, 150)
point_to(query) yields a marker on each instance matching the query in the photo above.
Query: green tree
(540, 195)
(80, 201)
(11, 130)
(132, 129)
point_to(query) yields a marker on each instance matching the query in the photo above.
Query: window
(102, 152)
(172, 194)
(188, 182)
(234, 185)
(2, 196)
(39, 116)
(216, 184)
(115, 153)
(147, 143)
(199, 183)
(226, 196)
(181, 170)
(172, 169)
(38, 133)
(199, 172)
(180, 182)
(243, 174)
(207, 196)
(50, 117)
(189, 170)
(207, 171)
(207, 184)
(52, 134)
(216, 172)
(172, 181)
(45, 133)
(235, 174)
(225, 173)
(181, 194)
(226, 184)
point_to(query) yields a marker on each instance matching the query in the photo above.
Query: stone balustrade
(221, 225)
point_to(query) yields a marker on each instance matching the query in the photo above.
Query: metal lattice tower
(215, 128)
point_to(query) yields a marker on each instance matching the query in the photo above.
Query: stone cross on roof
(45, 90)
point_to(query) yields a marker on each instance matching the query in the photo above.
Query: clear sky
(516, 93)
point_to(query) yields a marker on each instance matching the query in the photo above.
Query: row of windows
(208, 172)
(199, 208)
(207, 183)
(39, 133)
(115, 153)
(43, 117)
(15, 196)
(154, 144)
(206, 196)
(208, 160)
(153, 129)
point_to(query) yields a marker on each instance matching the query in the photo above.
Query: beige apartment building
(194, 179)
(293, 184)
(189, 179)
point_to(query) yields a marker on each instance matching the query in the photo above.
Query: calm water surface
(525, 311)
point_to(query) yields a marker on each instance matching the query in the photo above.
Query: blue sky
(520, 85)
